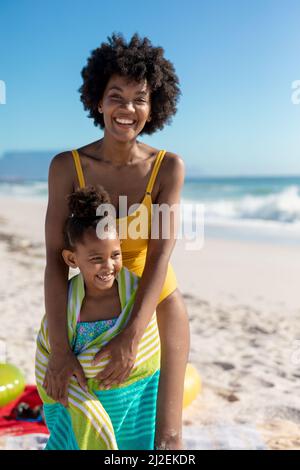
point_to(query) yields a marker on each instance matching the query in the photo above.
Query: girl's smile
(105, 278)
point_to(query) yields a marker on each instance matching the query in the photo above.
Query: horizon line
(189, 175)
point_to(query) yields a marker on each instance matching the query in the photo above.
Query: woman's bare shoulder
(172, 168)
(62, 160)
(171, 160)
(62, 168)
(170, 176)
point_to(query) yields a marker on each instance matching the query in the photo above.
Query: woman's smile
(124, 123)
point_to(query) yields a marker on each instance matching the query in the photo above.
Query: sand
(243, 304)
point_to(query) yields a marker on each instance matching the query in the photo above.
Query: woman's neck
(118, 153)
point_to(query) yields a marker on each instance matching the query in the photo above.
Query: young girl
(100, 300)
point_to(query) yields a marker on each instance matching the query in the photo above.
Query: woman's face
(99, 260)
(125, 100)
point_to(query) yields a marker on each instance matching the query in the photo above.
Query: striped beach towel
(122, 417)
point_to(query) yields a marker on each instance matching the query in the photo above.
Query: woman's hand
(61, 366)
(122, 350)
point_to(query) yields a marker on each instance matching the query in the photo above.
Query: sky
(236, 62)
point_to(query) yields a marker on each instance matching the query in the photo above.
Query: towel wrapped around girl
(122, 417)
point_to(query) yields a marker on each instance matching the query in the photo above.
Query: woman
(129, 90)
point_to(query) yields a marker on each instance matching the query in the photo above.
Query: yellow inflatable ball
(12, 383)
(192, 385)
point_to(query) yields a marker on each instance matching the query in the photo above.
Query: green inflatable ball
(12, 383)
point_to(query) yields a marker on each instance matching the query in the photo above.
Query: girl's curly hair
(136, 60)
(83, 205)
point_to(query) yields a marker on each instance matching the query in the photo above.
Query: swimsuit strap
(78, 168)
(152, 178)
(157, 163)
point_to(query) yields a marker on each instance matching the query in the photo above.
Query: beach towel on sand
(122, 417)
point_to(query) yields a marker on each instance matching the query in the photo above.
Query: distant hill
(28, 165)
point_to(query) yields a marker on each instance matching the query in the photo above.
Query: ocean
(246, 208)
(249, 208)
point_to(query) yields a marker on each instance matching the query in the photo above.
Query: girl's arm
(62, 362)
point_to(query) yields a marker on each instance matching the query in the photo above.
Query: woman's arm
(56, 271)
(151, 282)
(159, 248)
(62, 362)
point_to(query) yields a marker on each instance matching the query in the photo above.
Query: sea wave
(283, 207)
(278, 206)
(30, 189)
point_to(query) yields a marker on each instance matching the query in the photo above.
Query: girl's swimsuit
(134, 250)
(87, 331)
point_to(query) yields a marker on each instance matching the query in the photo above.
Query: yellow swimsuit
(134, 250)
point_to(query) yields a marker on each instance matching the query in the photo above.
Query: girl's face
(125, 100)
(99, 260)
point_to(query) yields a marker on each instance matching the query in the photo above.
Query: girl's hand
(123, 350)
(61, 366)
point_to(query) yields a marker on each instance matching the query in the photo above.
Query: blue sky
(236, 61)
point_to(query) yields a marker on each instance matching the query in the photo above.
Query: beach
(243, 304)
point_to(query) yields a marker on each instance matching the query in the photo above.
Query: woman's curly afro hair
(136, 60)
